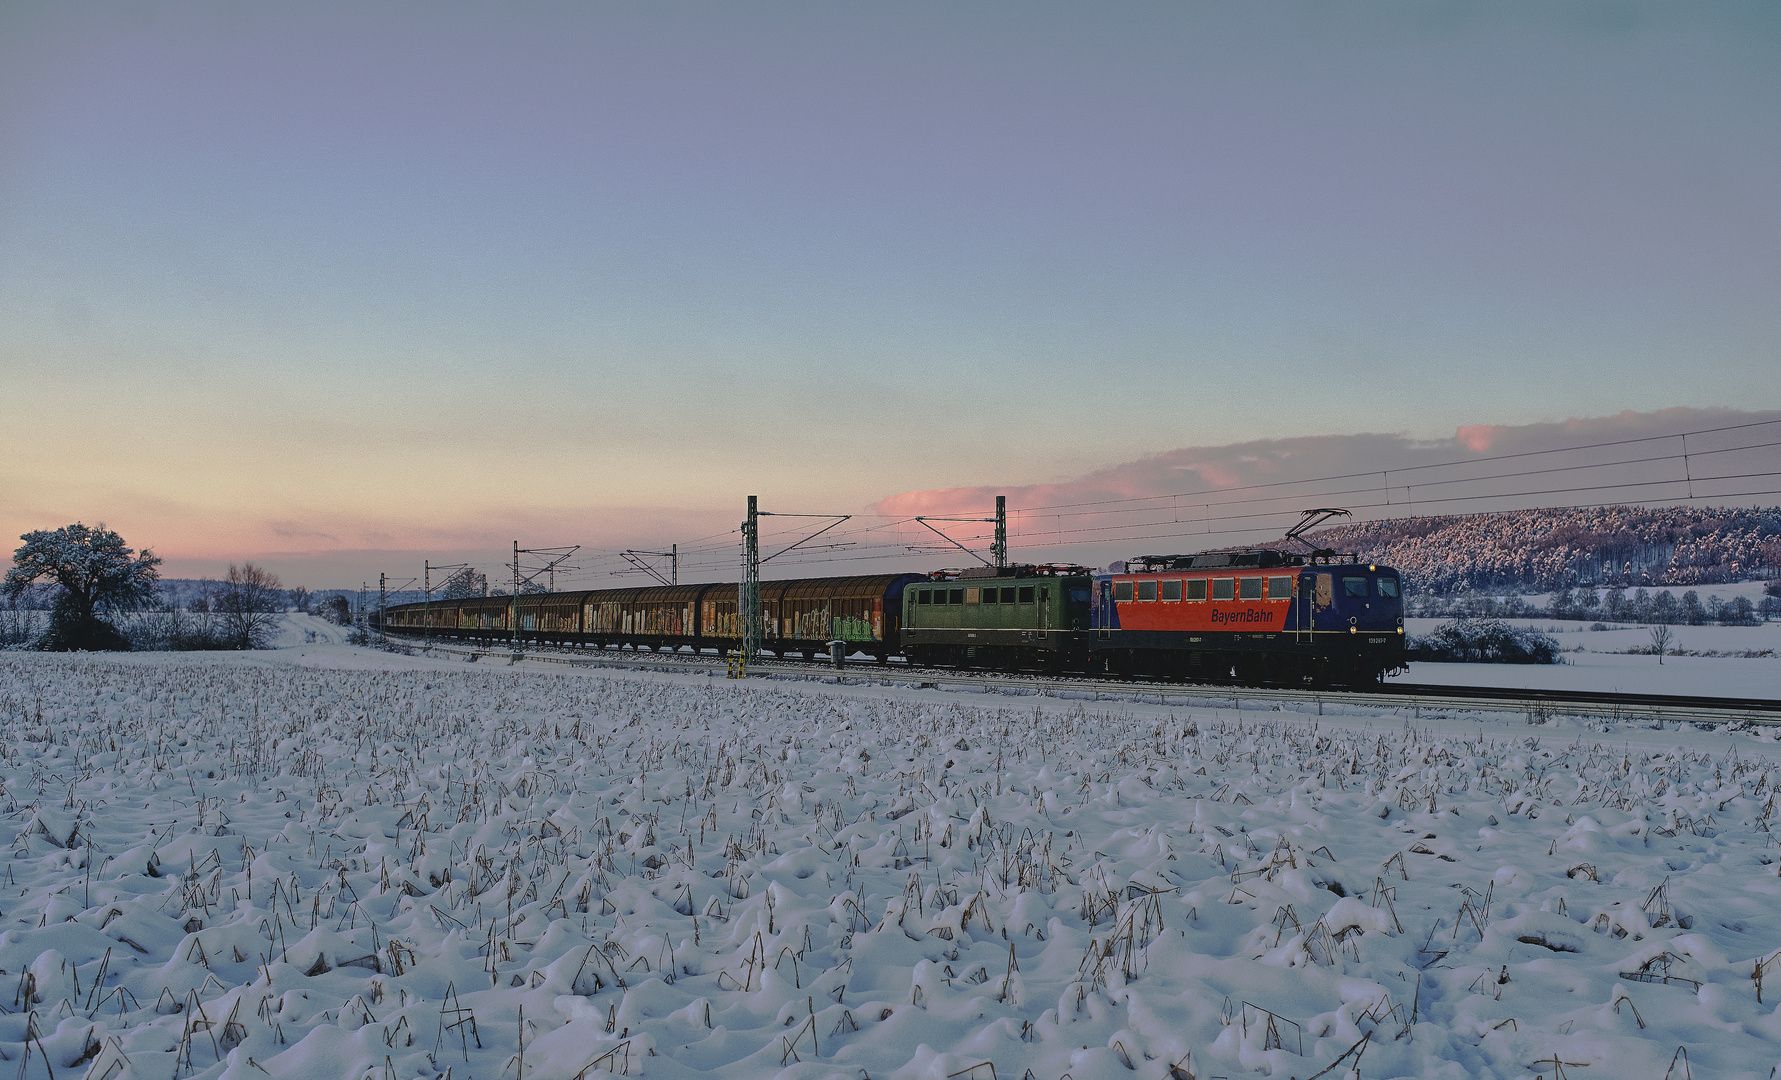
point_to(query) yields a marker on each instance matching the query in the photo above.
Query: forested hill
(1542, 550)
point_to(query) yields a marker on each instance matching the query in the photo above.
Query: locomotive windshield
(1354, 586)
(1388, 586)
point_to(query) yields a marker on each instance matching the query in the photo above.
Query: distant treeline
(1545, 550)
(196, 593)
(1608, 605)
(203, 594)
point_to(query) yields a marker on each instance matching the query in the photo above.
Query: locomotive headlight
(1400, 629)
(1353, 630)
(1372, 566)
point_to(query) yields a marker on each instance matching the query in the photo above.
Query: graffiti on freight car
(847, 628)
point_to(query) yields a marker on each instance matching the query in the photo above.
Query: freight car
(799, 617)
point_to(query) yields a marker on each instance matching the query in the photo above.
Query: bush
(21, 626)
(1484, 641)
(172, 630)
(74, 630)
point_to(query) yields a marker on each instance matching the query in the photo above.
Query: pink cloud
(1479, 438)
(1196, 498)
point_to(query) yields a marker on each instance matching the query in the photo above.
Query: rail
(1535, 704)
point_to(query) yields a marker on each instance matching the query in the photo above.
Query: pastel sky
(339, 287)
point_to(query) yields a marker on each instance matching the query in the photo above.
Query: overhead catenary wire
(1428, 465)
(1136, 531)
(1248, 509)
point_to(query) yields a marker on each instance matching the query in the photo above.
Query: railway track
(1533, 703)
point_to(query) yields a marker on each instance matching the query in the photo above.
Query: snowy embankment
(240, 867)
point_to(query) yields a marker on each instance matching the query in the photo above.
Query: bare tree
(1660, 641)
(249, 603)
(21, 621)
(300, 598)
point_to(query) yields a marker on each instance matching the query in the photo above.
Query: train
(1254, 617)
(799, 617)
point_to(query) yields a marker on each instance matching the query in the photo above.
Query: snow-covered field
(325, 862)
(1599, 660)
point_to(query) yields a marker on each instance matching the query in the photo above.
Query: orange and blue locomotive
(1250, 616)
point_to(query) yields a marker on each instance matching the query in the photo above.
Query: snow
(1604, 664)
(324, 862)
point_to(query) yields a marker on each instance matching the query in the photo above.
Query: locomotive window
(958, 597)
(1354, 586)
(1147, 590)
(1008, 595)
(971, 596)
(1078, 596)
(1388, 586)
(925, 596)
(1196, 590)
(1250, 588)
(1224, 588)
(1171, 590)
(1026, 594)
(1122, 592)
(1279, 588)
(989, 596)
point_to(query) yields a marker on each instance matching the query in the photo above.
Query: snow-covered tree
(336, 609)
(1693, 613)
(463, 584)
(1545, 549)
(98, 575)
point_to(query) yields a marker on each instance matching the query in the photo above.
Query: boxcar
(866, 612)
(654, 618)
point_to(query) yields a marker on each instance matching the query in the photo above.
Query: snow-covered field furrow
(235, 867)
